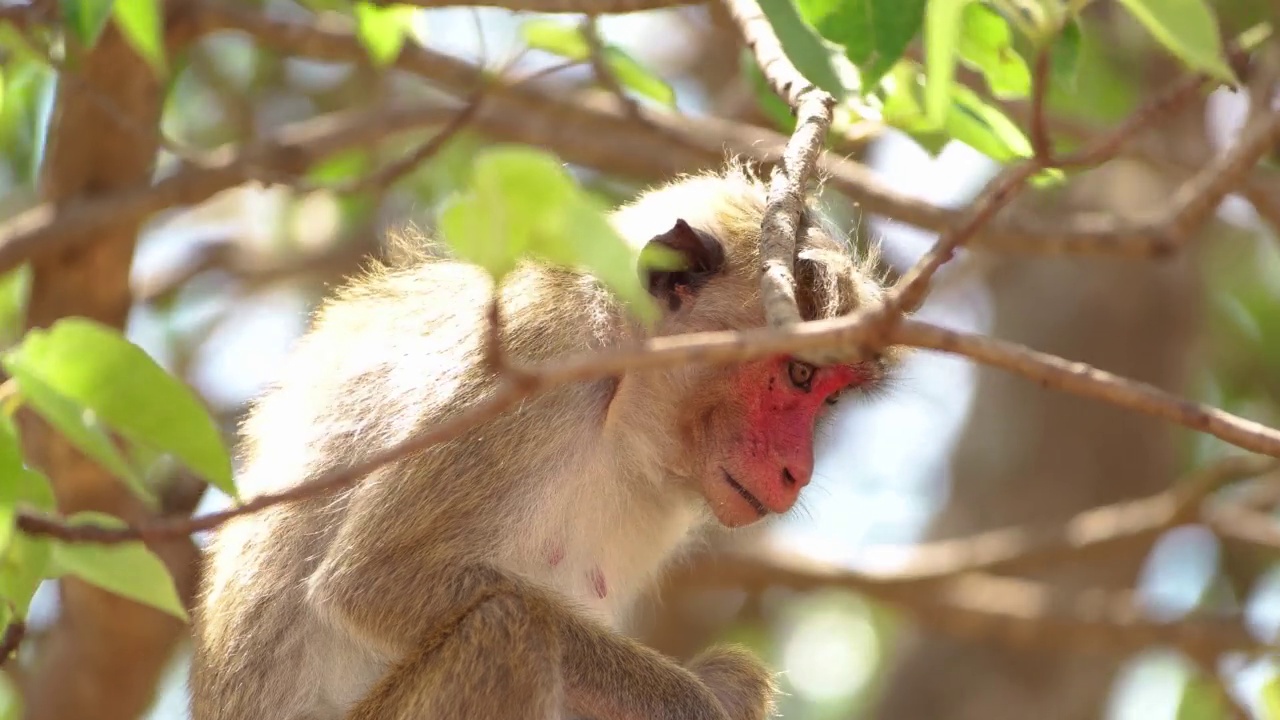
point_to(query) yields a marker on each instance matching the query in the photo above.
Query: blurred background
(222, 289)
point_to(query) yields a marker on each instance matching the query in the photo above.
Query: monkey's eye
(801, 374)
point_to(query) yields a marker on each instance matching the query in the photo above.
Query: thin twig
(1082, 379)
(1036, 546)
(724, 347)
(1196, 200)
(14, 632)
(1006, 609)
(1041, 145)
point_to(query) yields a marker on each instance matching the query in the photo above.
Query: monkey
(491, 576)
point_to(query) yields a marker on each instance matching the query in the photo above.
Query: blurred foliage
(941, 71)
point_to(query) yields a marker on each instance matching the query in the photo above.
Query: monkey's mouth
(745, 494)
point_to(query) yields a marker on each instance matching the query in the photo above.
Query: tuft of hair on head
(410, 245)
(832, 278)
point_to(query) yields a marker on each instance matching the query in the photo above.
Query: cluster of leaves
(857, 50)
(117, 406)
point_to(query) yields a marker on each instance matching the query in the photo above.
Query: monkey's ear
(677, 263)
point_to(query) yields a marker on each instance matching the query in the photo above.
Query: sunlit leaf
(804, 47)
(85, 18)
(522, 203)
(568, 41)
(81, 426)
(1271, 699)
(987, 45)
(93, 367)
(874, 33)
(382, 28)
(973, 121)
(942, 25)
(21, 484)
(142, 24)
(23, 566)
(634, 76)
(129, 569)
(1188, 29)
(556, 38)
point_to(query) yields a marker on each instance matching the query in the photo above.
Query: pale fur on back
(397, 350)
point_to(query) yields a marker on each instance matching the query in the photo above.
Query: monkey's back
(391, 353)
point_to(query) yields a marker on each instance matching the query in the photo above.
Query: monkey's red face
(763, 456)
(748, 432)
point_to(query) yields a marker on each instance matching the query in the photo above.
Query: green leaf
(567, 41)
(1271, 699)
(986, 44)
(804, 47)
(522, 203)
(142, 25)
(381, 29)
(129, 569)
(941, 44)
(20, 487)
(631, 74)
(24, 564)
(96, 368)
(343, 166)
(1064, 55)
(80, 425)
(874, 33)
(556, 38)
(984, 128)
(86, 18)
(1188, 29)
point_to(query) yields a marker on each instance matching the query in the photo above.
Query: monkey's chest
(602, 560)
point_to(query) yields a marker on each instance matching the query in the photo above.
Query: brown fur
(460, 582)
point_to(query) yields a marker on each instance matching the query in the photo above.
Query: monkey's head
(743, 435)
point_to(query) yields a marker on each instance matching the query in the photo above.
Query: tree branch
(1011, 610)
(789, 185)
(46, 228)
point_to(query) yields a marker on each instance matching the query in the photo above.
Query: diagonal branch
(1011, 610)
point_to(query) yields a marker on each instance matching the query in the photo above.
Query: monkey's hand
(742, 684)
